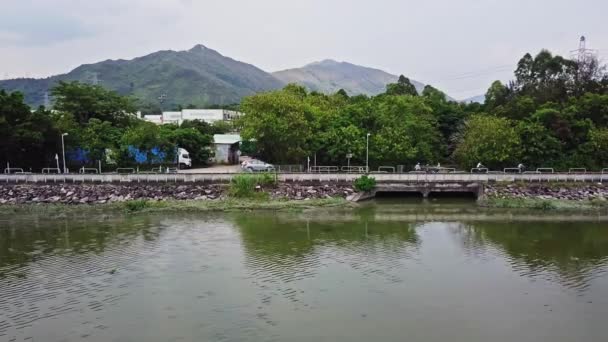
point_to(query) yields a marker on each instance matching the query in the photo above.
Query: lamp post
(367, 154)
(63, 150)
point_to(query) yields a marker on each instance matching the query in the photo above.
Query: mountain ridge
(201, 76)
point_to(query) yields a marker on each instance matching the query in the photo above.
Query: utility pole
(63, 151)
(367, 154)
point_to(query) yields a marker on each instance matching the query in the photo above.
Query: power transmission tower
(161, 99)
(582, 53)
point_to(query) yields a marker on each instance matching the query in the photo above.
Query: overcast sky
(458, 45)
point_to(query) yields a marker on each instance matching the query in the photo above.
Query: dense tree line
(100, 125)
(553, 114)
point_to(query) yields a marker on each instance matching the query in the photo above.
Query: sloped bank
(546, 196)
(74, 194)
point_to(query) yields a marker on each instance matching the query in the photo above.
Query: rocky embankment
(108, 193)
(547, 191)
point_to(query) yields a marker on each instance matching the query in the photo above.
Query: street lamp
(367, 154)
(63, 150)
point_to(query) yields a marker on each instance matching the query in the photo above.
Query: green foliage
(402, 87)
(364, 183)
(136, 205)
(85, 102)
(490, 140)
(190, 139)
(27, 139)
(244, 185)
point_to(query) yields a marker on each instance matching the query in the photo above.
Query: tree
(497, 95)
(493, 141)
(27, 139)
(86, 101)
(402, 87)
(147, 139)
(98, 136)
(598, 140)
(281, 123)
(196, 143)
(538, 145)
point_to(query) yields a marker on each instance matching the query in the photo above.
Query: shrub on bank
(365, 183)
(244, 186)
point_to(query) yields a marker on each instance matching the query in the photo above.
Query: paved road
(215, 169)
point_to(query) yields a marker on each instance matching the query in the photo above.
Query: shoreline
(143, 206)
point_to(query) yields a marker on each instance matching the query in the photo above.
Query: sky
(459, 46)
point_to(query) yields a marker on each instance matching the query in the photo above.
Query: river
(384, 272)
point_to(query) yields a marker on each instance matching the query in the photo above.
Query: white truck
(183, 158)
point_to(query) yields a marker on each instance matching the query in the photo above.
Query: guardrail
(479, 170)
(545, 170)
(530, 176)
(10, 170)
(87, 170)
(354, 169)
(577, 170)
(125, 170)
(327, 169)
(512, 170)
(51, 170)
(386, 169)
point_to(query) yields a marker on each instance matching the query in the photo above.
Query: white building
(207, 115)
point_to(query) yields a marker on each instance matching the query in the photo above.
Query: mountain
(479, 99)
(199, 76)
(329, 76)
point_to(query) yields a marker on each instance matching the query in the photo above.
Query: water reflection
(287, 249)
(572, 255)
(387, 272)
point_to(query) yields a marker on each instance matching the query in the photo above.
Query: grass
(543, 204)
(139, 206)
(244, 185)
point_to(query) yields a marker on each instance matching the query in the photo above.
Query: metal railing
(125, 170)
(479, 170)
(88, 170)
(386, 169)
(326, 169)
(48, 170)
(10, 170)
(577, 170)
(512, 170)
(545, 170)
(354, 169)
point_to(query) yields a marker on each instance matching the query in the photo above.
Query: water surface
(389, 272)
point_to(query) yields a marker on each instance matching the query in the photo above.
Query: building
(207, 115)
(227, 148)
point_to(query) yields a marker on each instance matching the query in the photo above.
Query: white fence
(306, 177)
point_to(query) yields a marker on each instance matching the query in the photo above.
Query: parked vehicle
(183, 158)
(255, 165)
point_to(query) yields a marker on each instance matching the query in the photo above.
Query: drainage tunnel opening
(399, 194)
(452, 195)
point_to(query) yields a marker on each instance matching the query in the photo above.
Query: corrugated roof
(226, 138)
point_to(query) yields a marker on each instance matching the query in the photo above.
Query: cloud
(41, 30)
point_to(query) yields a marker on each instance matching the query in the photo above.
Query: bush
(136, 205)
(365, 183)
(242, 186)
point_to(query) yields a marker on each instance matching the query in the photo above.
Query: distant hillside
(199, 76)
(329, 76)
(479, 99)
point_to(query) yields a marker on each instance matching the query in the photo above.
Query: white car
(255, 165)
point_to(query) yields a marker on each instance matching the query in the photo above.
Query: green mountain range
(329, 76)
(203, 77)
